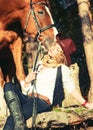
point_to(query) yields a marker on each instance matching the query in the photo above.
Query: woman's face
(54, 50)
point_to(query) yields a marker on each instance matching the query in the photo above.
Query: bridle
(31, 11)
(39, 31)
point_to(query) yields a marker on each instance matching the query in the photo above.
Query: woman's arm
(26, 84)
(68, 83)
(31, 76)
(81, 100)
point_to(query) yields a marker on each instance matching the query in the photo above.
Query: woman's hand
(31, 76)
(89, 105)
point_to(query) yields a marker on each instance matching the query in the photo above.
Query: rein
(39, 31)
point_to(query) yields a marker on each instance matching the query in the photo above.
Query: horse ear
(47, 1)
(48, 4)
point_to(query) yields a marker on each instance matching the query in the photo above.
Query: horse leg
(6, 37)
(1, 78)
(11, 39)
(16, 48)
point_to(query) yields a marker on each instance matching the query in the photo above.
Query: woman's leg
(41, 106)
(23, 98)
(13, 103)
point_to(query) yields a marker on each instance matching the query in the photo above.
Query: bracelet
(84, 104)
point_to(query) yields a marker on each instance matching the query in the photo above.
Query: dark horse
(36, 22)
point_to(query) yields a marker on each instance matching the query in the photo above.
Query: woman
(44, 85)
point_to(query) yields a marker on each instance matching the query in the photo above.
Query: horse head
(38, 27)
(38, 23)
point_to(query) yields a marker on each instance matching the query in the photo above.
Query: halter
(31, 11)
(39, 31)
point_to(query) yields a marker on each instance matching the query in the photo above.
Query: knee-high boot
(13, 103)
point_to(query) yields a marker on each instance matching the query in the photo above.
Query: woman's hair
(58, 60)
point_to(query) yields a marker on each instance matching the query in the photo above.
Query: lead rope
(34, 112)
(39, 30)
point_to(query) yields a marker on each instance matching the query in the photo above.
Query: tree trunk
(83, 6)
(69, 100)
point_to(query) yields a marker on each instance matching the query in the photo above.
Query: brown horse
(35, 20)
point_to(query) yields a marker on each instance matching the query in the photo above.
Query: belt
(46, 99)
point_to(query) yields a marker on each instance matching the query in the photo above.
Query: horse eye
(41, 12)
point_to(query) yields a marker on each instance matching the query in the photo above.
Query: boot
(13, 103)
(9, 125)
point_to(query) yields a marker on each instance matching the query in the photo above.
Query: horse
(37, 25)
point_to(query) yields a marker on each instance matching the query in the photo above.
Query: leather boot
(13, 103)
